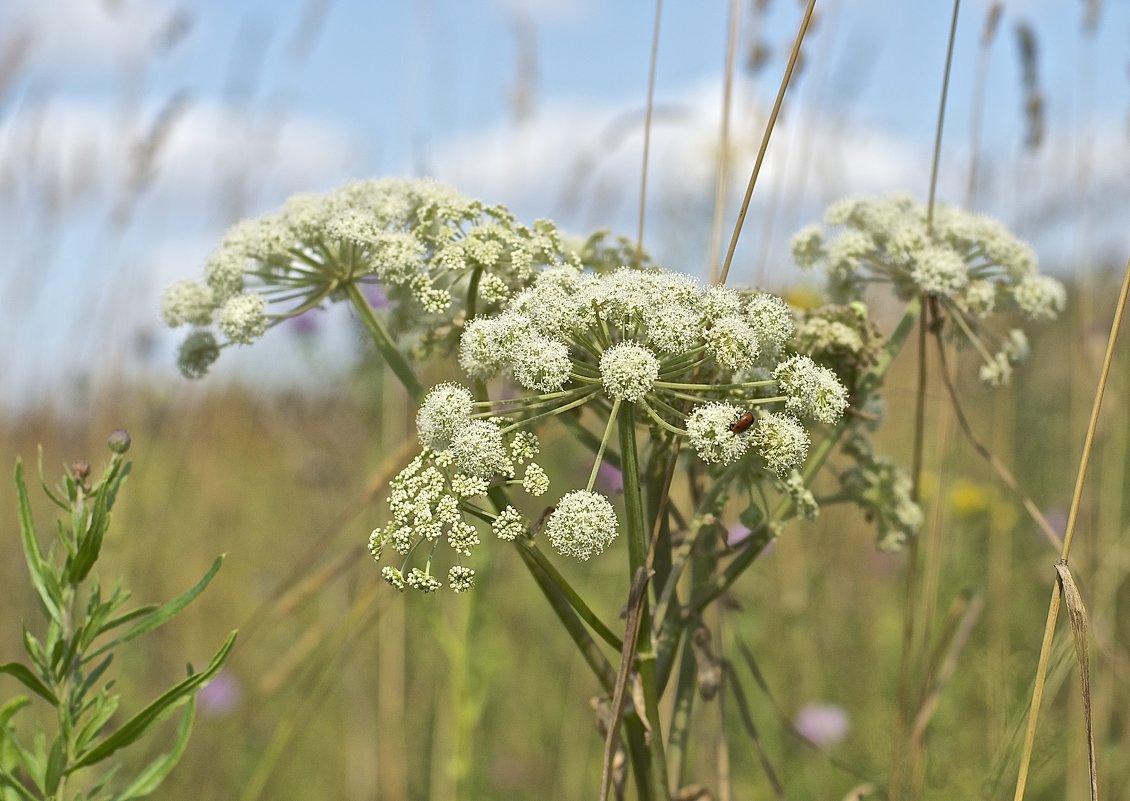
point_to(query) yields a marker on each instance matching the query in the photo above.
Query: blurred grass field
(340, 687)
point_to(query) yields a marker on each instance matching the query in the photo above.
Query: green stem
(760, 538)
(569, 619)
(637, 558)
(575, 601)
(388, 350)
(603, 444)
(681, 719)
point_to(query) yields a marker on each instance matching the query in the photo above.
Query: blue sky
(534, 104)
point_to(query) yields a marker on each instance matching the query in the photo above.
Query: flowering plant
(712, 402)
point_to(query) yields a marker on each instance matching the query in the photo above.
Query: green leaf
(156, 771)
(11, 707)
(160, 615)
(7, 780)
(35, 564)
(133, 729)
(90, 539)
(56, 764)
(21, 674)
(93, 676)
(60, 502)
(101, 708)
(121, 620)
(35, 650)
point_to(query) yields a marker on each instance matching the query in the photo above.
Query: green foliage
(68, 662)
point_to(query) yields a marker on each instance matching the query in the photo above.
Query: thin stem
(575, 601)
(603, 444)
(1053, 606)
(732, 26)
(765, 139)
(647, 128)
(941, 117)
(389, 352)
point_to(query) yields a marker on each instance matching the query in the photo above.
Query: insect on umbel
(742, 423)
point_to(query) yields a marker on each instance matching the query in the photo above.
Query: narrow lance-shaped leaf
(56, 764)
(55, 499)
(90, 542)
(10, 782)
(156, 771)
(25, 677)
(35, 564)
(133, 729)
(160, 615)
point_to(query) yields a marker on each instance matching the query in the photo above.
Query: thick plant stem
(638, 558)
(383, 342)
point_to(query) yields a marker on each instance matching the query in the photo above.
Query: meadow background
(132, 134)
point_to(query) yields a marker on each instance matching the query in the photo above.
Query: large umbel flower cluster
(436, 254)
(971, 266)
(708, 365)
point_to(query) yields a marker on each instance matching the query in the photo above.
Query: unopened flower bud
(119, 440)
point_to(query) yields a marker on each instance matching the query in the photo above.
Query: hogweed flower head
(582, 525)
(435, 253)
(970, 265)
(709, 364)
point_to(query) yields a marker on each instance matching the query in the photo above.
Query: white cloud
(97, 34)
(579, 163)
(83, 154)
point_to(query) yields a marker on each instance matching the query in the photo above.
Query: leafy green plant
(68, 663)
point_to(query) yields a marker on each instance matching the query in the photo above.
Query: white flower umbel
(812, 390)
(435, 255)
(732, 343)
(446, 409)
(1040, 297)
(243, 319)
(771, 320)
(479, 450)
(627, 371)
(781, 440)
(696, 362)
(510, 524)
(710, 430)
(188, 303)
(436, 503)
(541, 364)
(971, 266)
(583, 524)
(460, 578)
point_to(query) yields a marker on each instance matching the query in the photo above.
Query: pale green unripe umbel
(197, 353)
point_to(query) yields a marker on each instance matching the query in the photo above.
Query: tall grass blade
(1077, 615)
